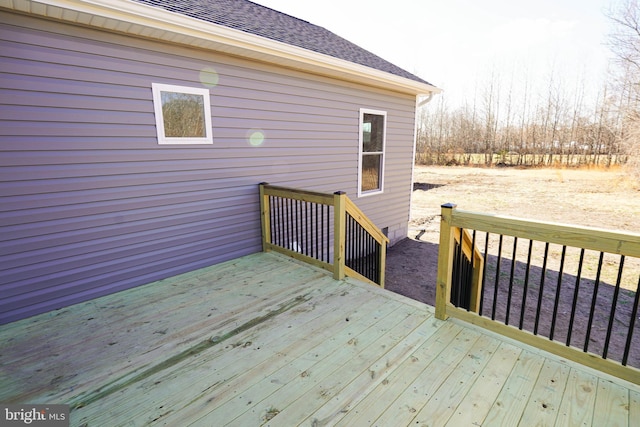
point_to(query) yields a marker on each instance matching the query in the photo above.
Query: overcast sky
(457, 44)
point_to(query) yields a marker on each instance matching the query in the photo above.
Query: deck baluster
(593, 302)
(497, 281)
(525, 289)
(614, 302)
(484, 273)
(575, 297)
(632, 323)
(543, 276)
(558, 289)
(511, 274)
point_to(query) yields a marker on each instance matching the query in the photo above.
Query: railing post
(445, 261)
(265, 217)
(339, 233)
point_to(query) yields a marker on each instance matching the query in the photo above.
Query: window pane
(372, 133)
(371, 167)
(183, 115)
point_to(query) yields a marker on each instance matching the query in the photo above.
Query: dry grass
(592, 197)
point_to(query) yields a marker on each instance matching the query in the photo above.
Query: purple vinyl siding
(90, 203)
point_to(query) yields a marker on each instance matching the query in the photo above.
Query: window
(183, 114)
(372, 143)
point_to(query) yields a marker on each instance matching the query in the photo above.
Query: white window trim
(157, 106)
(364, 111)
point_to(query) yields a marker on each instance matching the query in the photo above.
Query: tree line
(555, 130)
(508, 122)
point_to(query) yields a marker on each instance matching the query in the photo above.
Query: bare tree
(624, 40)
(491, 108)
(560, 125)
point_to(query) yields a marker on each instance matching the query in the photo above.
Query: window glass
(372, 133)
(183, 115)
(371, 168)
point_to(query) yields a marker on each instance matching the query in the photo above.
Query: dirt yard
(593, 198)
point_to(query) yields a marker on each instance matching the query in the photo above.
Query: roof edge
(150, 22)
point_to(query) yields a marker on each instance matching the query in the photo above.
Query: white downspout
(426, 100)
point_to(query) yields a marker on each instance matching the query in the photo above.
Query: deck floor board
(482, 395)
(399, 381)
(612, 401)
(579, 399)
(285, 368)
(265, 340)
(516, 391)
(258, 350)
(372, 356)
(444, 402)
(547, 393)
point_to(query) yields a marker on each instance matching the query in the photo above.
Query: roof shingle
(262, 21)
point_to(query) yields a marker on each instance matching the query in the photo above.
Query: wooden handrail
(353, 210)
(298, 194)
(585, 238)
(342, 206)
(597, 239)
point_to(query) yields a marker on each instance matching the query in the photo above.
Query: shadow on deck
(266, 340)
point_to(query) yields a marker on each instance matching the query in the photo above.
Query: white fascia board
(151, 22)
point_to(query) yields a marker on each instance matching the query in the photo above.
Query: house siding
(91, 204)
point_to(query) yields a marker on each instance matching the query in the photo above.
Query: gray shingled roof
(255, 19)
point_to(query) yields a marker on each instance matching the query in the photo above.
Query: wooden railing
(326, 230)
(573, 291)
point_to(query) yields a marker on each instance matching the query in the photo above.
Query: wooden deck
(266, 340)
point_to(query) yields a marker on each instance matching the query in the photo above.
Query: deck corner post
(445, 261)
(265, 217)
(339, 233)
